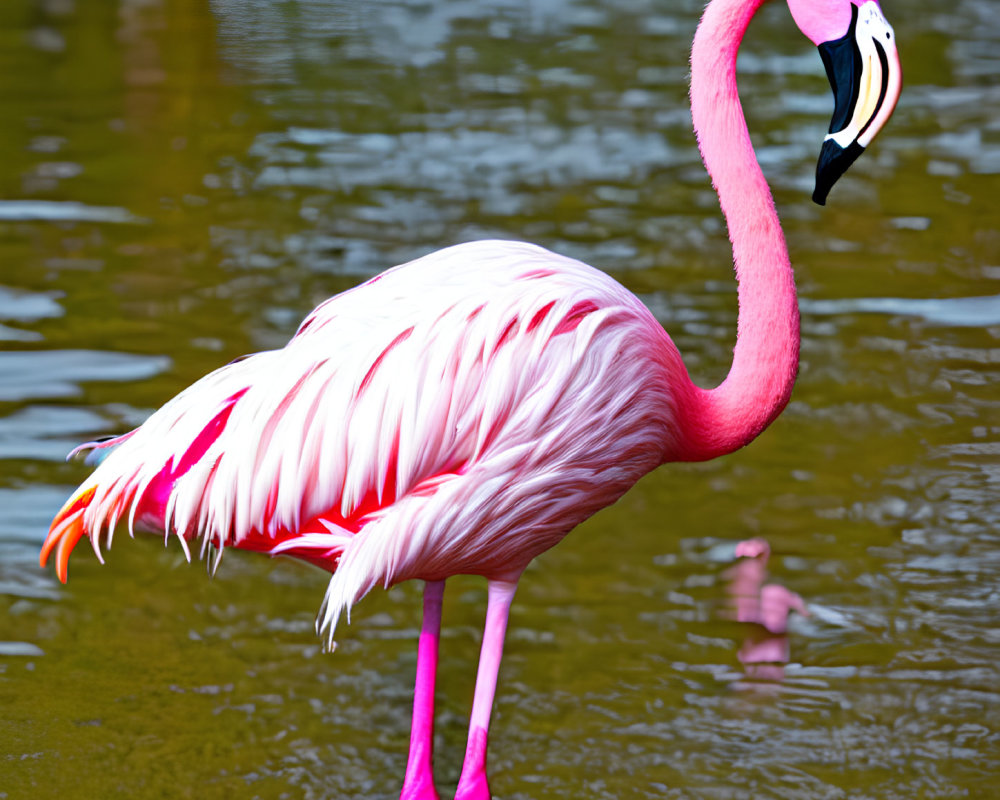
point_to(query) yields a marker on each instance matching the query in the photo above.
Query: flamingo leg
(419, 781)
(472, 784)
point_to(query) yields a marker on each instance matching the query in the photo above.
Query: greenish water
(182, 182)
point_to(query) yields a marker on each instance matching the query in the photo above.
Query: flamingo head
(858, 48)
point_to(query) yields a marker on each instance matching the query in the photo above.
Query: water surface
(184, 182)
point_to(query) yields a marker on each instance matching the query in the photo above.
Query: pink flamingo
(463, 412)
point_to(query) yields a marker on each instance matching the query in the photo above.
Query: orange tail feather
(66, 530)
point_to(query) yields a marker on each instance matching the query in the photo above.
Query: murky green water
(182, 183)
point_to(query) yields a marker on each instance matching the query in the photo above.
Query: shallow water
(183, 183)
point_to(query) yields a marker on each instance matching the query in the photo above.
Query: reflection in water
(765, 607)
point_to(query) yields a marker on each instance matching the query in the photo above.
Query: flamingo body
(457, 414)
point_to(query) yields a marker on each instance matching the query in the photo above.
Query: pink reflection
(765, 607)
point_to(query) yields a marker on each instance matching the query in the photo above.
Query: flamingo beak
(864, 72)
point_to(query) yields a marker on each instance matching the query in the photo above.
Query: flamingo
(461, 413)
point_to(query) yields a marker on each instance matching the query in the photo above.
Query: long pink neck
(766, 356)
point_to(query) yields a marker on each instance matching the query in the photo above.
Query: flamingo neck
(765, 359)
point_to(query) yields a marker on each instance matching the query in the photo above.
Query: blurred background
(183, 180)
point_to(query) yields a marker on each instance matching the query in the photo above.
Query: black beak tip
(833, 162)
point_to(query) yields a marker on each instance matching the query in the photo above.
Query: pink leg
(472, 784)
(419, 781)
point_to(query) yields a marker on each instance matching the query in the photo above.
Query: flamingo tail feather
(66, 530)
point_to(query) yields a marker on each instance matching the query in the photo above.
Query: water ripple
(64, 211)
(951, 311)
(52, 374)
